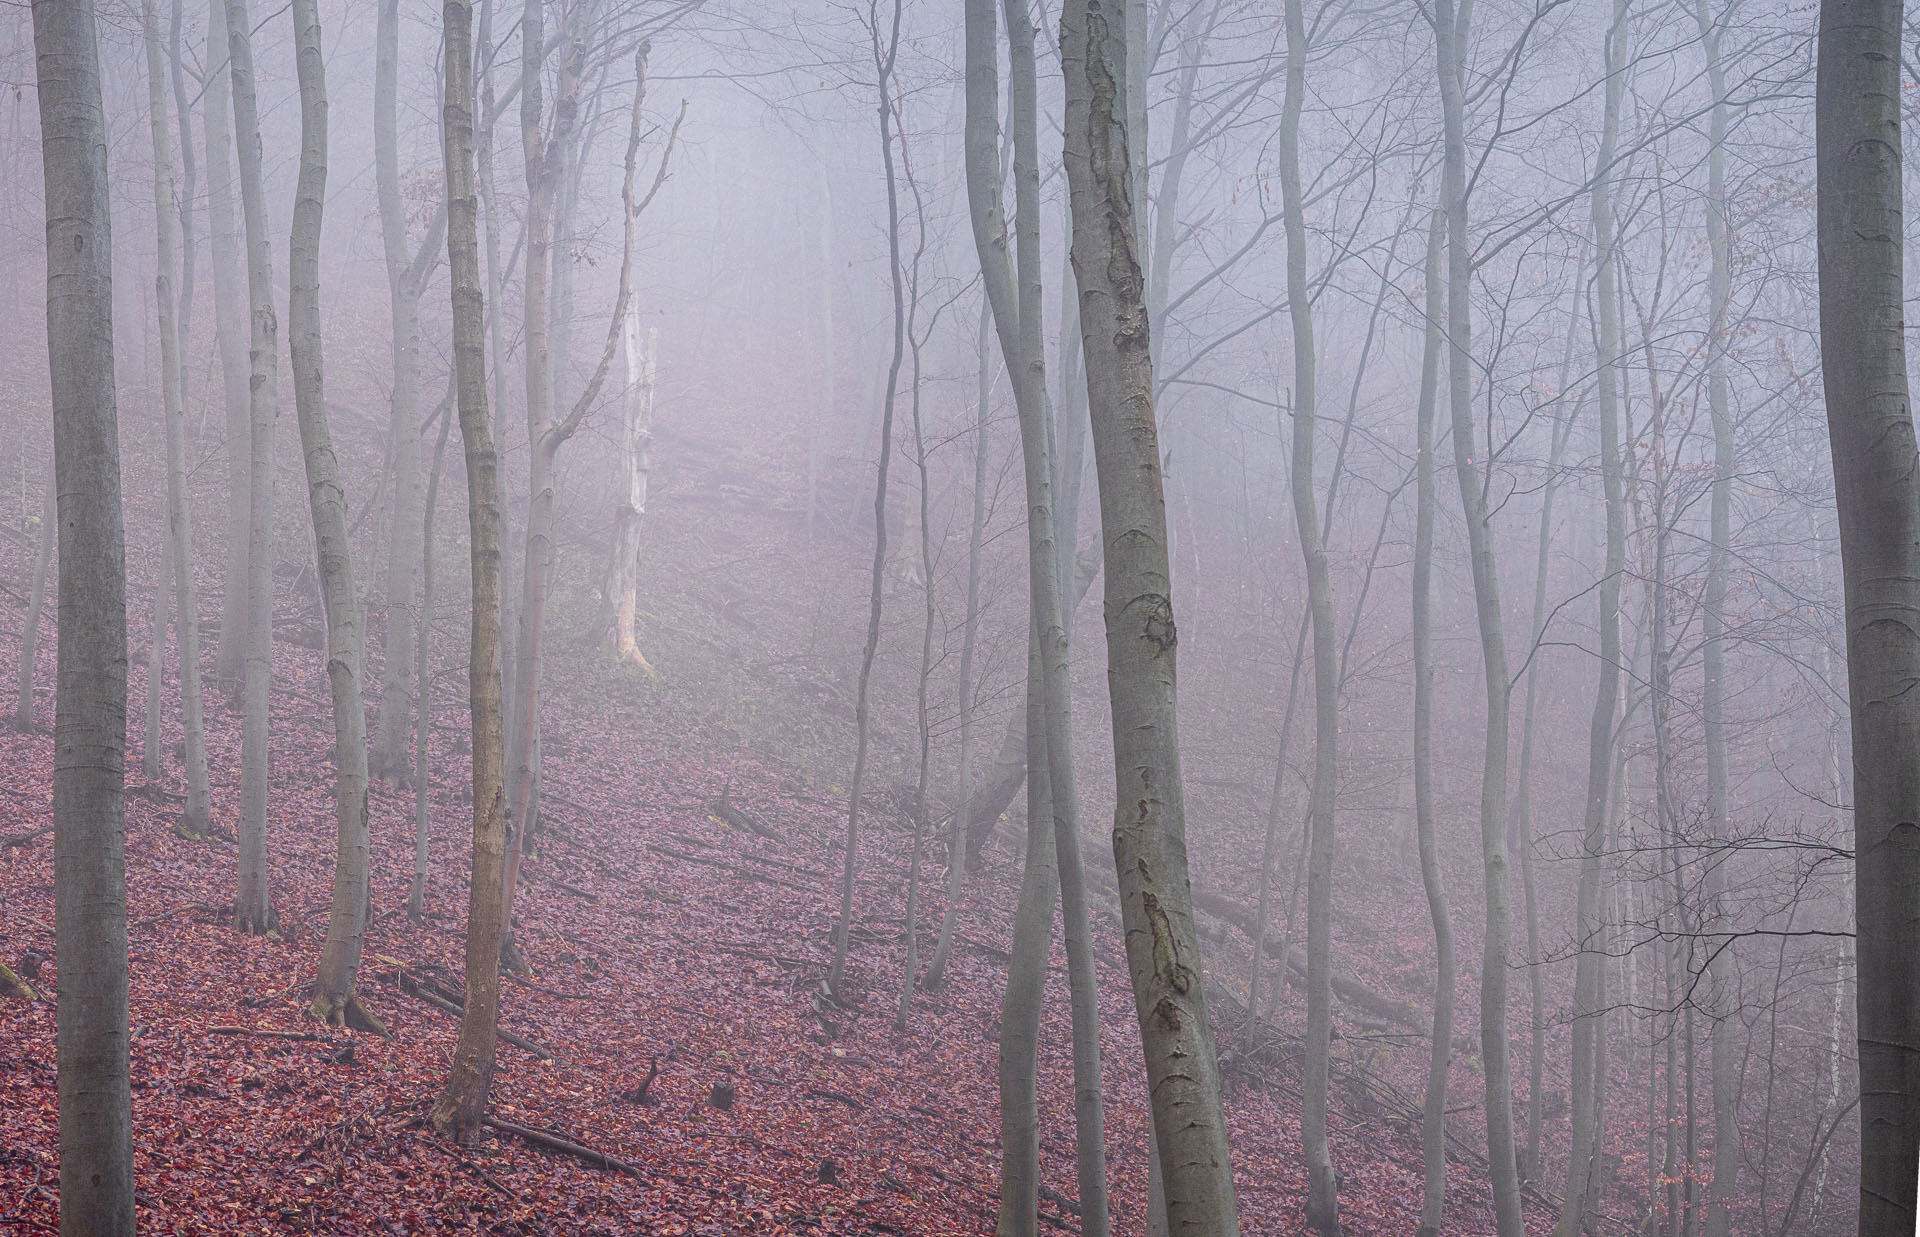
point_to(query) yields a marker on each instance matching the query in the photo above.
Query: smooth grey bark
(198, 812)
(976, 529)
(884, 53)
(1433, 1120)
(1713, 694)
(189, 191)
(152, 767)
(1876, 476)
(23, 710)
(407, 273)
(1451, 42)
(1590, 963)
(922, 724)
(460, 1110)
(253, 903)
(423, 663)
(334, 999)
(1149, 834)
(230, 315)
(90, 703)
(1323, 1203)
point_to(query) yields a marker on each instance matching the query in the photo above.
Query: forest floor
(677, 921)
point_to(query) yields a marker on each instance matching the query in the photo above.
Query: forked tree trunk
(1433, 1120)
(1323, 1203)
(461, 1108)
(253, 903)
(90, 707)
(334, 999)
(230, 336)
(1876, 476)
(198, 812)
(1149, 833)
(1589, 1007)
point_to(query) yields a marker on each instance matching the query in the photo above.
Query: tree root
(11, 985)
(351, 1013)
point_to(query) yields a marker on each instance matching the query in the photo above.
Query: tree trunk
(1590, 964)
(1433, 1124)
(230, 334)
(23, 711)
(422, 675)
(253, 904)
(152, 767)
(956, 844)
(461, 1108)
(90, 706)
(388, 757)
(922, 724)
(1149, 834)
(630, 503)
(1876, 478)
(199, 812)
(334, 999)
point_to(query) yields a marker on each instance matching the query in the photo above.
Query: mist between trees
(727, 827)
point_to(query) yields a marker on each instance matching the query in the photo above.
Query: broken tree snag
(11, 985)
(553, 1142)
(638, 1095)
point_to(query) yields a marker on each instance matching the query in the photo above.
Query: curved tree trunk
(253, 903)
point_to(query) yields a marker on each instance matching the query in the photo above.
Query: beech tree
(90, 703)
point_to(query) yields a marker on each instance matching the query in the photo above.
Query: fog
(880, 394)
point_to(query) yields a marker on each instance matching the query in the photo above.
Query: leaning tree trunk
(1323, 1203)
(1433, 1122)
(230, 336)
(1589, 1008)
(198, 812)
(90, 706)
(1876, 477)
(334, 999)
(461, 1108)
(1149, 833)
(1495, 1051)
(253, 904)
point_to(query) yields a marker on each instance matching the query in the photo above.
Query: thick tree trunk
(90, 706)
(334, 999)
(461, 1108)
(1433, 1123)
(253, 903)
(1876, 475)
(1149, 834)
(198, 812)
(1590, 964)
(230, 335)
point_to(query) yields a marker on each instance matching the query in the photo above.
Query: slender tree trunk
(922, 725)
(230, 315)
(188, 195)
(334, 999)
(388, 757)
(1149, 834)
(90, 705)
(1433, 1124)
(423, 663)
(1323, 1203)
(253, 904)
(1590, 964)
(636, 438)
(885, 48)
(152, 767)
(199, 812)
(956, 844)
(461, 1108)
(23, 710)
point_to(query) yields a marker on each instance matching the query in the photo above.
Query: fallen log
(566, 1146)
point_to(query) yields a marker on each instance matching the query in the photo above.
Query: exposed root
(11, 985)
